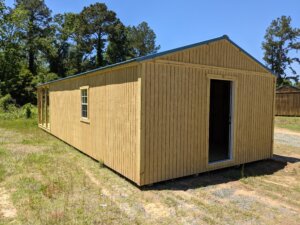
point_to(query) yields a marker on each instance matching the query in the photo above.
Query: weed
(2, 172)
(28, 113)
(243, 171)
(101, 164)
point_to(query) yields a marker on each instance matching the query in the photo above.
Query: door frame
(233, 100)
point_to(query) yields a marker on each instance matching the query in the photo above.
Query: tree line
(37, 46)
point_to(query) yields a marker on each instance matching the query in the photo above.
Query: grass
(291, 123)
(20, 125)
(47, 185)
(50, 182)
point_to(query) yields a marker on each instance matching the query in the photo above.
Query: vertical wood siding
(113, 132)
(175, 120)
(221, 53)
(288, 103)
(150, 122)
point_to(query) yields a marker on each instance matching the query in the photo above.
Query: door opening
(220, 131)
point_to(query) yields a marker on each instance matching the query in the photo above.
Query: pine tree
(281, 41)
(35, 26)
(96, 22)
(118, 47)
(142, 40)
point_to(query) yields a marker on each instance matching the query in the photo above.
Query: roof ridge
(288, 85)
(154, 55)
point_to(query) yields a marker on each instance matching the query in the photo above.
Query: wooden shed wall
(220, 54)
(288, 103)
(112, 135)
(174, 134)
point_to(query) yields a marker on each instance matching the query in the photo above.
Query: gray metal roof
(143, 58)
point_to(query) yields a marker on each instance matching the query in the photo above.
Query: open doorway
(220, 113)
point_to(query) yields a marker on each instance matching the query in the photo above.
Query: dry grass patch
(25, 149)
(7, 209)
(49, 182)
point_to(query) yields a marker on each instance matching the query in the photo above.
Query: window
(84, 102)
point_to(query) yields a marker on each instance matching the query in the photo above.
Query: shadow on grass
(259, 168)
(254, 169)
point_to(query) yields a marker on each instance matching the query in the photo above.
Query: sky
(182, 22)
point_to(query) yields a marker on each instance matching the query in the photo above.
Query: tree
(96, 20)
(57, 45)
(142, 40)
(16, 78)
(12, 80)
(118, 47)
(281, 42)
(2, 23)
(36, 47)
(80, 47)
(34, 27)
(2, 13)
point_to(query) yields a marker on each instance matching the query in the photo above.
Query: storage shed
(288, 101)
(189, 110)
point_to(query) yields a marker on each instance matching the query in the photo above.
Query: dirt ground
(55, 184)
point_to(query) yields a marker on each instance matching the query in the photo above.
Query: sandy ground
(7, 208)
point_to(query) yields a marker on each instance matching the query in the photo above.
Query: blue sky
(179, 22)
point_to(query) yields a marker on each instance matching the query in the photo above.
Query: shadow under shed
(254, 169)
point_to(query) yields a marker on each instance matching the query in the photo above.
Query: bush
(6, 102)
(29, 111)
(12, 112)
(9, 110)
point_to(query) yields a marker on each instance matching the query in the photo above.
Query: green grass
(24, 125)
(48, 183)
(291, 123)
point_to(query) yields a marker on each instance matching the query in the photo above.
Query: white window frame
(82, 118)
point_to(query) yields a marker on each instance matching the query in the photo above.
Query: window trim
(84, 119)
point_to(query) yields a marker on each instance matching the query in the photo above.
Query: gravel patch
(287, 139)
